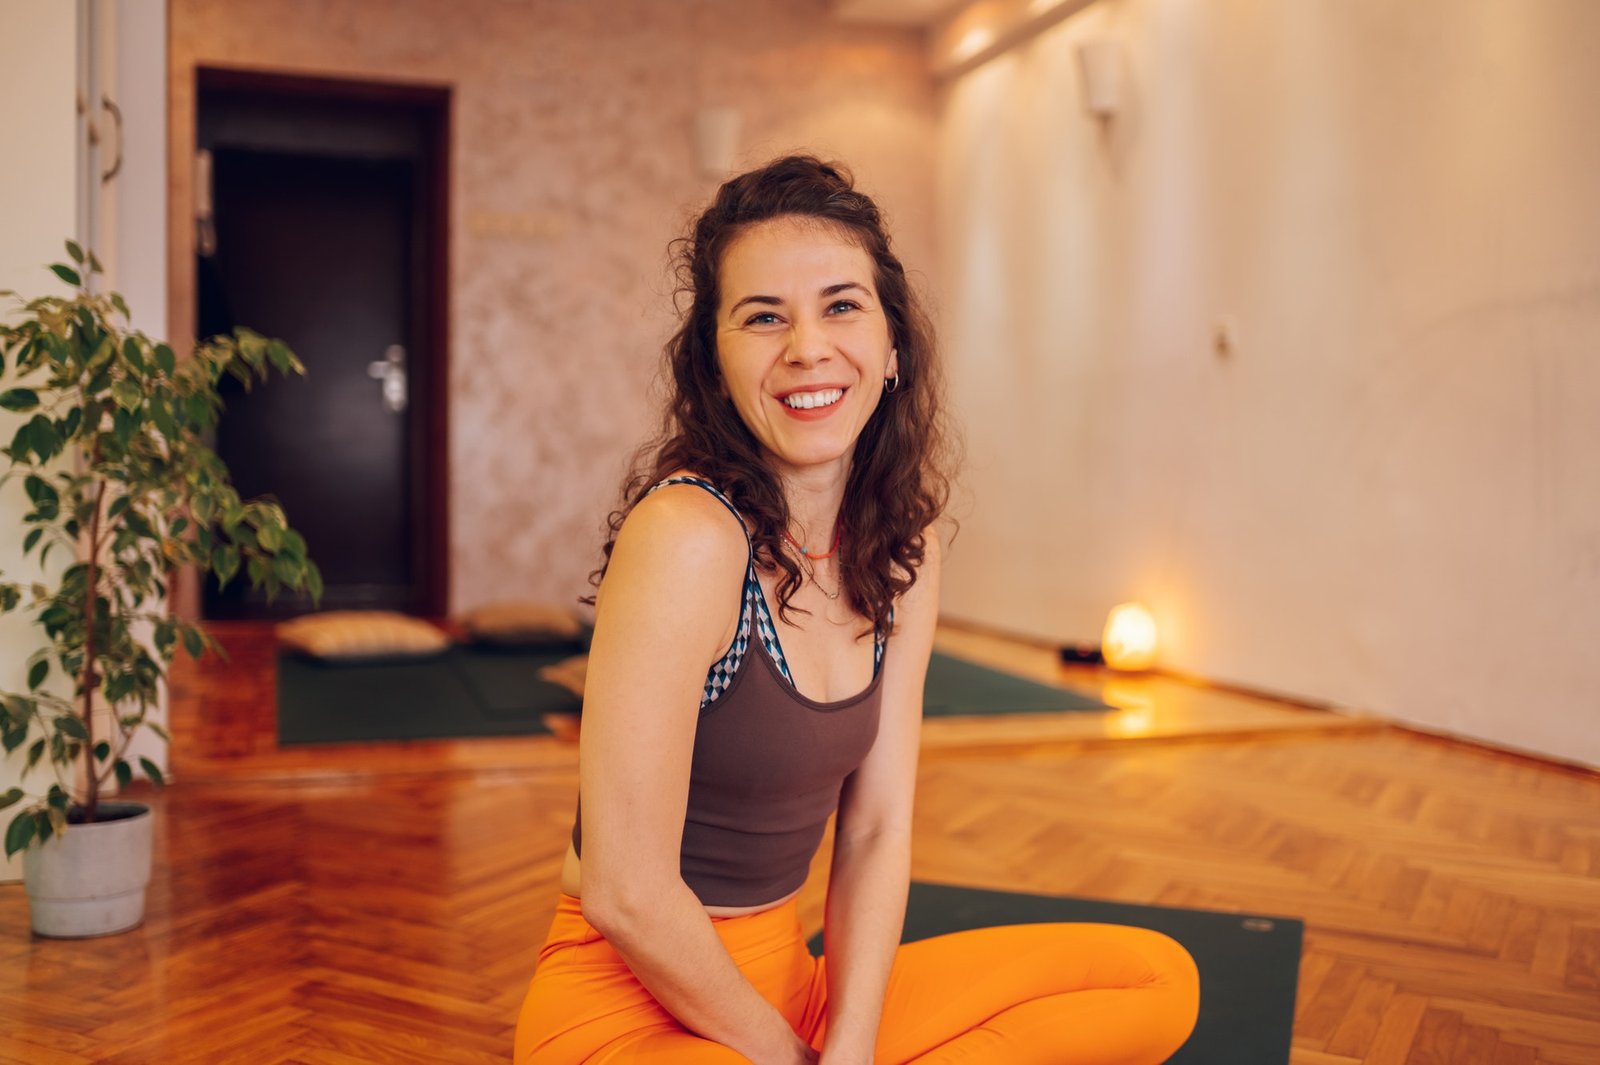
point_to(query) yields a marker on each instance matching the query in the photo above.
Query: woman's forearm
(669, 943)
(865, 914)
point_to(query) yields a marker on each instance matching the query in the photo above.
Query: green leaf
(72, 725)
(10, 798)
(21, 832)
(193, 642)
(152, 771)
(102, 751)
(42, 437)
(31, 539)
(67, 274)
(124, 773)
(39, 490)
(19, 399)
(35, 753)
(37, 673)
(74, 250)
(135, 356)
(120, 304)
(155, 726)
(166, 359)
(225, 563)
(127, 394)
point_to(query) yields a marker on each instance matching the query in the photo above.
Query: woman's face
(802, 340)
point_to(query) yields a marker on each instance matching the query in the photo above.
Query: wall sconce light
(1101, 65)
(716, 140)
(1129, 641)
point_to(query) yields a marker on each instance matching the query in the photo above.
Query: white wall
(40, 207)
(1389, 497)
(37, 211)
(135, 227)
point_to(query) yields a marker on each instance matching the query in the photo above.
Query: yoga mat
(494, 691)
(956, 687)
(1249, 964)
(462, 692)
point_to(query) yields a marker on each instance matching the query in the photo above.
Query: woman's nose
(808, 344)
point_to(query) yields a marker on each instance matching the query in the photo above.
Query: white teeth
(807, 400)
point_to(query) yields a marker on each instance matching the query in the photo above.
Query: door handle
(391, 370)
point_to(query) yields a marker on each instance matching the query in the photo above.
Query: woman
(763, 626)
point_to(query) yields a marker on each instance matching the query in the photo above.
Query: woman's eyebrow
(844, 286)
(770, 301)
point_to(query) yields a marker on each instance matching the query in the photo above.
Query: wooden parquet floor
(386, 906)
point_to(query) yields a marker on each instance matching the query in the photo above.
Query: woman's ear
(893, 369)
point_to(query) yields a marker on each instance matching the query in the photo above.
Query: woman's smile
(812, 405)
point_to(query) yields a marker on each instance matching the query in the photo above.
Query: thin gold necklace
(811, 575)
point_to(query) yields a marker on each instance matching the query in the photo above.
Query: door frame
(432, 105)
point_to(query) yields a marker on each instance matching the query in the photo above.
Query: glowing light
(1129, 641)
(972, 42)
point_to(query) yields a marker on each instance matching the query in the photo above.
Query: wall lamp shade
(1129, 642)
(716, 140)
(1101, 65)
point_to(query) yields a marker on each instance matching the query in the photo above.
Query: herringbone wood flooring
(384, 905)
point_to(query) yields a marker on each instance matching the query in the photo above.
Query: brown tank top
(767, 768)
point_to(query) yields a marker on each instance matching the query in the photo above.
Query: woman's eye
(764, 318)
(841, 306)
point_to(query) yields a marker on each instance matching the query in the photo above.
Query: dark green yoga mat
(956, 687)
(464, 691)
(489, 691)
(1249, 964)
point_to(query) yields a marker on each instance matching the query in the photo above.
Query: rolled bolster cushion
(569, 673)
(523, 624)
(360, 634)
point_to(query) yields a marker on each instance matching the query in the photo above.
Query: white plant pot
(90, 880)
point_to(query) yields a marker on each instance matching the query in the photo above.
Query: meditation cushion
(362, 634)
(568, 673)
(522, 624)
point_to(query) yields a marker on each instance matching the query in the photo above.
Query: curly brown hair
(900, 474)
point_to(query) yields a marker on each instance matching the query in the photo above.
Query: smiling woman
(803, 462)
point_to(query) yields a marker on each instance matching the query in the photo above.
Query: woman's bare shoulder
(687, 519)
(679, 540)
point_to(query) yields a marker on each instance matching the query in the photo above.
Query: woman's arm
(872, 839)
(674, 580)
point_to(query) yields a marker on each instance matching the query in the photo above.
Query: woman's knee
(1174, 973)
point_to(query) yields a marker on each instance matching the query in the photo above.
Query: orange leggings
(1062, 994)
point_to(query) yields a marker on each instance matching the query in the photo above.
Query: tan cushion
(569, 673)
(361, 634)
(522, 622)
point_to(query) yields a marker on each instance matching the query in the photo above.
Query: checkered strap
(753, 615)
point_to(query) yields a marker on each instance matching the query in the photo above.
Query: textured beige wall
(37, 214)
(573, 167)
(1389, 496)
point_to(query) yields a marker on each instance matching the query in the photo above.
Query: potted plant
(124, 488)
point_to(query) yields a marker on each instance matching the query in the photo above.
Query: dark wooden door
(329, 250)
